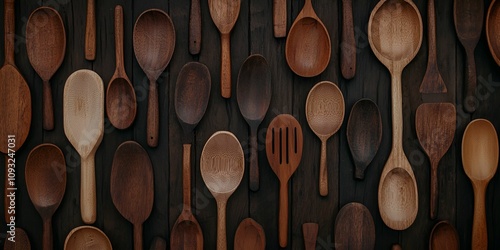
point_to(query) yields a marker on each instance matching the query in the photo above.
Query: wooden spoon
(254, 96)
(310, 232)
(284, 151)
(158, 244)
(15, 105)
(154, 43)
(249, 236)
(83, 112)
(354, 228)
(444, 237)
(395, 36)
(308, 45)
(364, 134)
(222, 166)
(480, 160)
(433, 82)
(121, 104)
(492, 30)
(186, 233)
(279, 18)
(90, 31)
(22, 242)
(468, 16)
(195, 28)
(324, 112)
(46, 46)
(435, 125)
(87, 237)
(45, 173)
(132, 186)
(225, 14)
(348, 44)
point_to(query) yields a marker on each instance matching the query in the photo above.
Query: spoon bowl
(87, 237)
(444, 237)
(492, 30)
(22, 241)
(354, 227)
(249, 236)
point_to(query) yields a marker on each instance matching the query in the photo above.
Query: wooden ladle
(222, 166)
(154, 43)
(45, 173)
(308, 47)
(444, 237)
(87, 237)
(121, 104)
(492, 30)
(480, 160)
(325, 110)
(354, 228)
(46, 46)
(253, 93)
(249, 236)
(395, 35)
(132, 186)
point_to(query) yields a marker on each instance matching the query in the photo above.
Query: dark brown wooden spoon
(468, 16)
(444, 237)
(354, 227)
(253, 93)
(21, 242)
(158, 243)
(46, 46)
(249, 236)
(493, 30)
(310, 232)
(46, 183)
(131, 186)
(364, 134)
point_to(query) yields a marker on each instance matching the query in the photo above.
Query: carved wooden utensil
(324, 112)
(90, 31)
(308, 45)
(348, 44)
(222, 166)
(354, 228)
(46, 46)
(195, 27)
(121, 104)
(83, 113)
(480, 160)
(22, 242)
(253, 93)
(87, 237)
(284, 143)
(249, 236)
(45, 173)
(492, 30)
(279, 18)
(158, 243)
(154, 44)
(468, 16)
(224, 13)
(310, 232)
(444, 237)
(396, 24)
(435, 125)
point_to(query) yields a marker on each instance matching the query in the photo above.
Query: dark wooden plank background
(253, 34)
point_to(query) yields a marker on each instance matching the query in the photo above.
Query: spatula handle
(279, 18)
(225, 71)
(153, 116)
(137, 236)
(479, 227)
(254, 161)
(348, 44)
(323, 171)
(90, 31)
(283, 215)
(195, 28)
(48, 110)
(470, 101)
(221, 225)
(87, 190)
(48, 242)
(10, 32)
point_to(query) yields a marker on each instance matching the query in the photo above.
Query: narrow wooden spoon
(249, 236)
(444, 237)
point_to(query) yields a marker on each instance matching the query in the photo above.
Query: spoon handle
(225, 71)
(348, 44)
(479, 227)
(153, 115)
(431, 32)
(48, 243)
(221, 225)
(195, 28)
(470, 101)
(186, 176)
(87, 190)
(119, 38)
(137, 236)
(323, 172)
(254, 161)
(48, 110)
(283, 214)
(10, 31)
(434, 189)
(279, 18)
(90, 28)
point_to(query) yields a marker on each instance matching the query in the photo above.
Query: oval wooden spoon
(222, 166)
(154, 44)
(480, 160)
(354, 228)
(225, 13)
(253, 93)
(87, 237)
(83, 113)
(249, 236)
(395, 36)
(22, 242)
(45, 173)
(310, 232)
(308, 47)
(444, 237)
(325, 113)
(121, 104)
(46, 46)
(435, 126)
(492, 30)
(364, 134)
(132, 186)
(284, 142)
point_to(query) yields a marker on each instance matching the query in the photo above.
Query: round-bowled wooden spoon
(395, 35)
(279, 18)
(225, 13)
(354, 228)
(444, 237)
(310, 233)
(121, 104)
(87, 237)
(132, 186)
(480, 160)
(186, 233)
(308, 45)
(435, 125)
(253, 93)
(364, 134)
(45, 173)
(284, 142)
(222, 166)
(492, 30)
(83, 115)
(249, 236)
(46, 46)
(154, 44)
(21, 242)
(348, 44)
(325, 110)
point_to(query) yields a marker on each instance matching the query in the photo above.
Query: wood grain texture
(444, 236)
(279, 18)
(310, 231)
(250, 236)
(354, 227)
(79, 238)
(348, 47)
(90, 32)
(195, 27)
(491, 30)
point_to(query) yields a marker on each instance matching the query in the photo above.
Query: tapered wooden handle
(254, 161)
(186, 176)
(279, 18)
(348, 44)
(48, 242)
(10, 32)
(434, 189)
(323, 172)
(153, 115)
(470, 100)
(397, 111)
(137, 236)
(90, 31)
(87, 190)
(48, 110)
(221, 225)
(283, 215)
(479, 228)
(225, 70)
(119, 37)
(195, 28)
(431, 31)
